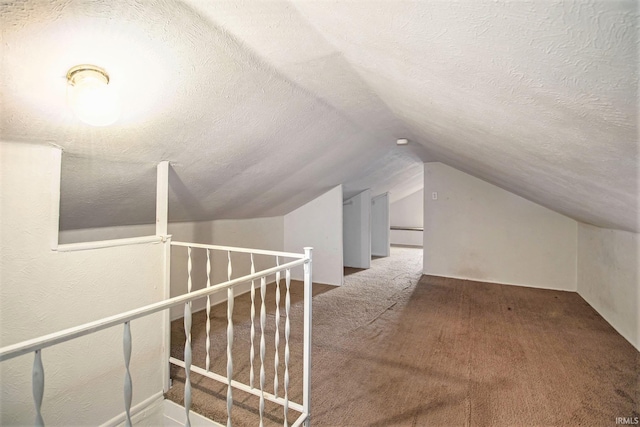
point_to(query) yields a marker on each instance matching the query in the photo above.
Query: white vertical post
(162, 218)
(287, 332)
(162, 199)
(230, 301)
(166, 316)
(306, 366)
(208, 325)
(253, 328)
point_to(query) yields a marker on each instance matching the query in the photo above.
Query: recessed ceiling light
(90, 96)
(402, 141)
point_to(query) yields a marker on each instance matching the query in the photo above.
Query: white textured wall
(260, 233)
(356, 231)
(475, 230)
(408, 212)
(608, 277)
(43, 291)
(407, 238)
(318, 224)
(380, 236)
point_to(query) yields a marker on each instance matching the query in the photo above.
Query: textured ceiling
(261, 106)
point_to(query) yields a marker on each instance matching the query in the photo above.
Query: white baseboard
(156, 410)
(139, 411)
(174, 416)
(499, 283)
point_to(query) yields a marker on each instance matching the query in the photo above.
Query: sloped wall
(43, 291)
(380, 236)
(608, 279)
(475, 230)
(356, 231)
(318, 224)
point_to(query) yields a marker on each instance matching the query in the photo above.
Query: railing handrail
(49, 340)
(243, 250)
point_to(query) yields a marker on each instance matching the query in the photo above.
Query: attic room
(466, 174)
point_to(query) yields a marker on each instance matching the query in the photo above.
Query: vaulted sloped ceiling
(261, 106)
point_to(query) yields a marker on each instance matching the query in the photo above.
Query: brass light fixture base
(86, 69)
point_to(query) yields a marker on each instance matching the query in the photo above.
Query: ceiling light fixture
(90, 96)
(402, 141)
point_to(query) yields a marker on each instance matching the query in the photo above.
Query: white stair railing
(227, 379)
(36, 345)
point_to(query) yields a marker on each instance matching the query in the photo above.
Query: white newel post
(230, 302)
(162, 227)
(306, 387)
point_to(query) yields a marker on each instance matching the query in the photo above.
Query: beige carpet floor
(393, 347)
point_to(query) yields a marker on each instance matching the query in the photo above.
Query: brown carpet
(392, 347)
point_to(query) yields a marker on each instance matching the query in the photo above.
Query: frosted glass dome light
(90, 96)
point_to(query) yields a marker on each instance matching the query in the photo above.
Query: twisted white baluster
(253, 328)
(276, 361)
(187, 345)
(229, 342)
(128, 386)
(208, 325)
(263, 321)
(37, 383)
(287, 332)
